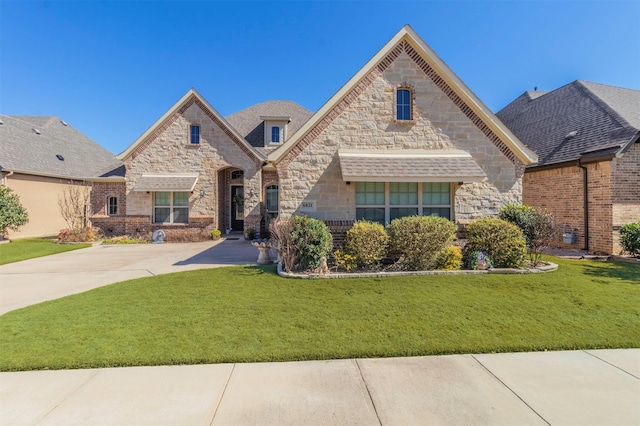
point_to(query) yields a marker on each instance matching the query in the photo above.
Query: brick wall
(560, 191)
(626, 192)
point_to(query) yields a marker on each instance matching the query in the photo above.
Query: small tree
(536, 224)
(630, 238)
(12, 214)
(73, 204)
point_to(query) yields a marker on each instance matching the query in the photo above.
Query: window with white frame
(403, 104)
(112, 206)
(275, 134)
(194, 137)
(171, 207)
(384, 201)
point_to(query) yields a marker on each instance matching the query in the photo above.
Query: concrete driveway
(51, 277)
(600, 387)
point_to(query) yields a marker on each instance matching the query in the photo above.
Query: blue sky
(111, 69)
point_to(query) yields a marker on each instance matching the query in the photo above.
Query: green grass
(242, 314)
(29, 248)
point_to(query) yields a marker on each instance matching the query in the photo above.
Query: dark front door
(237, 208)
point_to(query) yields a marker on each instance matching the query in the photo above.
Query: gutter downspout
(586, 204)
(5, 178)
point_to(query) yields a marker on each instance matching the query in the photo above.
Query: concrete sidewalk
(51, 277)
(599, 387)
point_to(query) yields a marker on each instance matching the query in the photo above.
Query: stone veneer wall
(364, 119)
(169, 151)
(626, 192)
(560, 190)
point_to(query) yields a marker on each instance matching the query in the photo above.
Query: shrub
(416, 241)
(125, 239)
(83, 235)
(249, 233)
(12, 214)
(367, 242)
(630, 238)
(449, 259)
(302, 242)
(536, 225)
(501, 240)
(344, 260)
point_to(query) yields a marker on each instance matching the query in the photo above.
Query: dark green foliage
(302, 241)
(501, 240)
(536, 225)
(367, 242)
(417, 241)
(630, 238)
(12, 214)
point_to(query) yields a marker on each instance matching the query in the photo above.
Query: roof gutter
(585, 188)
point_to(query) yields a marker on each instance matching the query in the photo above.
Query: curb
(549, 267)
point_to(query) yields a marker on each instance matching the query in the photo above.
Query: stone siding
(365, 119)
(171, 152)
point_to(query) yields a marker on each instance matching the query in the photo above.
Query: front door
(237, 207)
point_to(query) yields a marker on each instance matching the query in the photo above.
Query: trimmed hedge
(367, 242)
(501, 240)
(417, 241)
(630, 238)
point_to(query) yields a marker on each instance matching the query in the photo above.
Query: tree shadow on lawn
(225, 253)
(625, 272)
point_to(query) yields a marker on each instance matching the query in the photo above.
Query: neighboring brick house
(588, 172)
(39, 158)
(403, 136)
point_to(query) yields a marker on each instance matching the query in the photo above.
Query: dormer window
(403, 104)
(275, 129)
(194, 138)
(275, 134)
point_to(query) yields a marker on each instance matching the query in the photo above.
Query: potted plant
(249, 234)
(215, 234)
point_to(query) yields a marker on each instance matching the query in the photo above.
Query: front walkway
(51, 277)
(596, 387)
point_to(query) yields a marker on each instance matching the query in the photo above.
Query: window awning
(166, 182)
(409, 166)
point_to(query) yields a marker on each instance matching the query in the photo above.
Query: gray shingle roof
(409, 166)
(605, 118)
(22, 149)
(248, 123)
(167, 182)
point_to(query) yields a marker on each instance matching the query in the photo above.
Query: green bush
(630, 238)
(367, 242)
(501, 240)
(302, 242)
(12, 214)
(536, 225)
(417, 241)
(449, 259)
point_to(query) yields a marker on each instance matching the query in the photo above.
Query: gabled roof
(470, 104)
(578, 120)
(249, 123)
(31, 144)
(189, 98)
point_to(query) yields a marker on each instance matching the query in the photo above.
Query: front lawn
(29, 248)
(242, 314)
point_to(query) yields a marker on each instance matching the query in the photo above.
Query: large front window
(171, 207)
(382, 202)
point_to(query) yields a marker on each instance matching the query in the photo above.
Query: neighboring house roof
(442, 71)
(249, 124)
(576, 121)
(192, 96)
(32, 144)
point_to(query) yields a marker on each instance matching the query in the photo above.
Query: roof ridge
(602, 104)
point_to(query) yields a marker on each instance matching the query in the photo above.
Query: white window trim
(420, 206)
(171, 207)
